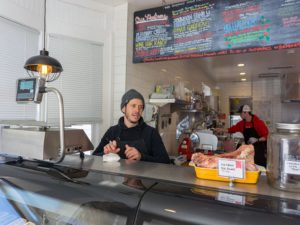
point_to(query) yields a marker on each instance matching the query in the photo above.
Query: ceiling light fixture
(47, 67)
(242, 73)
(241, 65)
(243, 79)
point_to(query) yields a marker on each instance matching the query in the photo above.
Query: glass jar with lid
(283, 160)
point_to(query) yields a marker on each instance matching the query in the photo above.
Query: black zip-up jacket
(155, 150)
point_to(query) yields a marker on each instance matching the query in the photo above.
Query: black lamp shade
(34, 62)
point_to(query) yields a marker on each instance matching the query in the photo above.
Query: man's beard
(131, 121)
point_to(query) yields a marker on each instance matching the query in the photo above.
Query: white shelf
(161, 101)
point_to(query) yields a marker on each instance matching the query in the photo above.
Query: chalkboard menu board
(198, 28)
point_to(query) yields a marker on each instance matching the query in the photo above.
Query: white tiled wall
(119, 58)
(266, 96)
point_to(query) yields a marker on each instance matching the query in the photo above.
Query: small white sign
(292, 167)
(231, 168)
(231, 198)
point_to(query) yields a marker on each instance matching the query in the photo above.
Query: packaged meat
(245, 152)
(251, 177)
(206, 166)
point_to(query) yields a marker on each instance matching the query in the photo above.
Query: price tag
(292, 167)
(231, 168)
(231, 198)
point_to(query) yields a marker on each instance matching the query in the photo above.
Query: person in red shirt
(255, 132)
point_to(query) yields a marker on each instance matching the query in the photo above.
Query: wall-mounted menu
(198, 28)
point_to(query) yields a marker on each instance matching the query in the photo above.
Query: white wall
(266, 96)
(82, 19)
(119, 59)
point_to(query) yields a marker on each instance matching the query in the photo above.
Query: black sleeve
(158, 151)
(104, 141)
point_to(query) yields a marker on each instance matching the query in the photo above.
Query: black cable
(45, 3)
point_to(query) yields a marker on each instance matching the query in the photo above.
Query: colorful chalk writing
(205, 28)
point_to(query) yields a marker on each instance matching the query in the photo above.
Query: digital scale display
(28, 90)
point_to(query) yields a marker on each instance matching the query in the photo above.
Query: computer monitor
(28, 90)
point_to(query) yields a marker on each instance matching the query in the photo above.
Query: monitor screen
(27, 89)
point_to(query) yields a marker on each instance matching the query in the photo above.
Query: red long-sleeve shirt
(259, 126)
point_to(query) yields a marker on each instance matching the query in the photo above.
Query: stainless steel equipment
(32, 90)
(42, 143)
(207, 140)
(283, 166)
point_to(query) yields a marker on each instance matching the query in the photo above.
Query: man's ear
(123, 109)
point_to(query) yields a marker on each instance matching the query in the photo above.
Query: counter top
(172, 173)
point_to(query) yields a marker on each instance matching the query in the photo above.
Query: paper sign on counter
(231, 168)
(292, 167)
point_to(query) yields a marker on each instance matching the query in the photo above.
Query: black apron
(139, 144)
(260, 148)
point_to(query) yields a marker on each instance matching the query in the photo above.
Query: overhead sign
(199, 28)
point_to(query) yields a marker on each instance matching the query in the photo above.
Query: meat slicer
(197, 141)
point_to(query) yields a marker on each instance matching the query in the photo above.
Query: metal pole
(61, 123)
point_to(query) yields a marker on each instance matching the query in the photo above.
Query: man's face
(133, 112)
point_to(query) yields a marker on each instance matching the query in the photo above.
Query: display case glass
(36, 192)
(33, 193)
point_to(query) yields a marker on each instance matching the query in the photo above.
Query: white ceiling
(268, 64)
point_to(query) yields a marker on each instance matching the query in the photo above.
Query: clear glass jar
(283, 160)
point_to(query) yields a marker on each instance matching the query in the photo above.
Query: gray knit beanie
(131, 94)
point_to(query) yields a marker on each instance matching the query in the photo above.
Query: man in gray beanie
(132, 138)
(131, 94)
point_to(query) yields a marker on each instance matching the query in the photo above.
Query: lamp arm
(61, 122)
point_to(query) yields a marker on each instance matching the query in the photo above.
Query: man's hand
(132, 153)
(111, 147)
(252, 140)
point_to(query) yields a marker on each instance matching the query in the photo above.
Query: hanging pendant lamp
(47, 67)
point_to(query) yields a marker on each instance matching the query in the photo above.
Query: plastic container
(283, 160)
(212, 174)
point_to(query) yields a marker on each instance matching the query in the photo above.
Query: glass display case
(36, 192)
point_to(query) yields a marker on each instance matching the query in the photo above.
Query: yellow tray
(212, 174)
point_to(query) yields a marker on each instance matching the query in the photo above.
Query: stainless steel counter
(172, 173)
